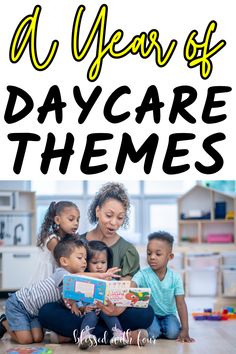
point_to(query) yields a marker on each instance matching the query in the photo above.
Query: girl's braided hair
(48, 226)
(110, 190)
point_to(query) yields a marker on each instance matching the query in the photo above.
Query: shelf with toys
(206, 216)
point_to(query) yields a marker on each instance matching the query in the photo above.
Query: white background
(174, 20)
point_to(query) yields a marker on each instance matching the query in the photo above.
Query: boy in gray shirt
(22, 307)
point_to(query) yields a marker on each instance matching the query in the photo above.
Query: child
(61, 219)
(166, 289)
(99, 260)
(22, 306)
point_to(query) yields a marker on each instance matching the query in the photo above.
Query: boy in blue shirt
(167, 291)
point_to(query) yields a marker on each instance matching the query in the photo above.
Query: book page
(136, 297)
(85, 288)
(116, 290)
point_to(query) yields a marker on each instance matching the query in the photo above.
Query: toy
(220, 238)
(230, 215)
(227, 313)
(29, 350)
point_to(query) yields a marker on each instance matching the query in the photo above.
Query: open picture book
(88, 290)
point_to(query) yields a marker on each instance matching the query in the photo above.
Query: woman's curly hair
(110, 190)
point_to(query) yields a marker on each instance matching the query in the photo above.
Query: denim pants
(164, 326)
(57, 318)
(91, 320)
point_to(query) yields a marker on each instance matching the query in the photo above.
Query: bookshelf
(206, 216)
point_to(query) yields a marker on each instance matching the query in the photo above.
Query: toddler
(99, 260)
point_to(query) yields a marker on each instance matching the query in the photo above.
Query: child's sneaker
(87, 339)
(119, 339)
(2, 328)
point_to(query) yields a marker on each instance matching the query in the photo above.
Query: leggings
(57, 318)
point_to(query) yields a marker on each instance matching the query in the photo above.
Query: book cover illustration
(135, 297)
(89, 290)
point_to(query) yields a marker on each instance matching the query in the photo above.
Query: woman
(57, 318)
(109, 211)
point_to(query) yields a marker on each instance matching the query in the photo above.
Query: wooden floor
(211, 337)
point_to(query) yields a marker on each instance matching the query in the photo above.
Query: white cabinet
(17, 237)
(17, 218)
(17, 265)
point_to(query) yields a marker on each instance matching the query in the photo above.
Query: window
(160, 214)
(133, 187)
(164, 217)
(132, 233)
(57, 187)
(167, 187)
(153, 203)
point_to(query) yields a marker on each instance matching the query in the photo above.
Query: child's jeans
(165, 327)
(91, 319)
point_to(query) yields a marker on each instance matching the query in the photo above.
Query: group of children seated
(75, 256)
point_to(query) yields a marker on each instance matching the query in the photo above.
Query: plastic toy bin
(220, 238)
(229, 258)
(202, 281)
(204, 260)
(229, 281)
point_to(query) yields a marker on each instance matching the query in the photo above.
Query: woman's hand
(110, 309)
(110, 273)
